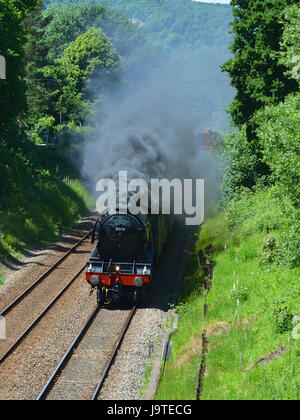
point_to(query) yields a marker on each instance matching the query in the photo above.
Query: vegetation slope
(252, 324)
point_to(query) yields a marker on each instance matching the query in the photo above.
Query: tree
(290, 54)
(38, 88)
(12, 95)
(255, 70)
(25, 6)
(51, 31)
(12, 90)
(75, 72)
(12, 98)
(67, 22)
(193, 22)
(279, 133)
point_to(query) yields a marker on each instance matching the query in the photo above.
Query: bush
(241, 294)
(283, 320)
(290, 244)
(43, 130)
(262, 211)
(71, 142)
(269, 212)
(241, 163)
(269, 250)
(36, 203)
(279, 135)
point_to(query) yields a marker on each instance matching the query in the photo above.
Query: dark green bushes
(241, 166)
(36, 204)
(279, 135)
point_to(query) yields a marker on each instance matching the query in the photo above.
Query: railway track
(31, 307)
(43, 276)
(82, 371)
(58, 373)
(113, 355)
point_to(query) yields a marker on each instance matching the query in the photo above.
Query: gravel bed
(26, 311)
(24, 373)
(134, 356)
(81, 375)
(20, 274)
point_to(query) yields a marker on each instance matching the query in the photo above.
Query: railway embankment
(240, 339)
(41, 218)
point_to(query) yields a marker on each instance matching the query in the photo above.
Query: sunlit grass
(50, 210)
(241, 323)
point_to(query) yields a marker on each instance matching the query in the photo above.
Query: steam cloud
(150, 135)
(150, 132)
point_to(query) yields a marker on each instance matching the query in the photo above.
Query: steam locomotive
(127, 247)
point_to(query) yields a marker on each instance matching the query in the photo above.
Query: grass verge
(254, 350)
(46, 210)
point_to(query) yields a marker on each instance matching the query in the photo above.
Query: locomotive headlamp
(138, 282)
(95, 280)
(118, 268)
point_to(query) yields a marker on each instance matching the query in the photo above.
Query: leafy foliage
(75, 72)
(171, 25)
(241, 294)
(257, 74)
(283, 319)
(264, 211)
(51, 33)
(262, 70)
(269, 250)
(279, 134)
(12, 90)
(13, 162)
(290, 242)
(67, 22)
(34, 201)
(291, 41)
(241, 163)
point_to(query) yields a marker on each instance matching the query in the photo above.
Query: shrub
(290, 245)
(269, 250)
(241, 165)
(43, 129)
(283, 319)
(241, 294)
(279, 135)
(262, 211)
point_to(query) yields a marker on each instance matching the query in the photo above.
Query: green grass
(181, 371)
(269, 296)
(46, 210)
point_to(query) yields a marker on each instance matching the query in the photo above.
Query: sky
(214, 1)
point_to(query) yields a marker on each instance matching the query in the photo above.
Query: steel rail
(113, 355)
(51, 382)
(58, 370)
(42, 277)
(40, 316)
